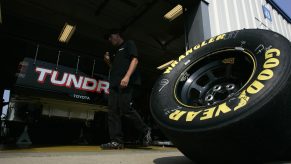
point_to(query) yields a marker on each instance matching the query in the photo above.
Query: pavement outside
(92, 154)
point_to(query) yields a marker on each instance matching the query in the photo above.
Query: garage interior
(31, 28)
(40, 22)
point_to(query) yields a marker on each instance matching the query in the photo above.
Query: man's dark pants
(120, 105)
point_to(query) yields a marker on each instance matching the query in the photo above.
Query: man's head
(115, 37)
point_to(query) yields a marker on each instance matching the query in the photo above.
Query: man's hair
(113, 31)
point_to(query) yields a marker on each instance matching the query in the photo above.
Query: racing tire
(227, 100)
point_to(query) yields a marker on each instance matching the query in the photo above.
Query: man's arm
(107, 59)
(125, 80)
(109, 64)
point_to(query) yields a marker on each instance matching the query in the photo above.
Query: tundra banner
(61, 81)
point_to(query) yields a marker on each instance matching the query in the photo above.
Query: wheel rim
(214, 78)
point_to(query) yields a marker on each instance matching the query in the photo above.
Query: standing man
(124, 78)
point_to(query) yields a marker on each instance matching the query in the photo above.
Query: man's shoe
(112, 145)
(147, 139)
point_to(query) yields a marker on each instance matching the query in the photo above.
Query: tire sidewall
(257, 42)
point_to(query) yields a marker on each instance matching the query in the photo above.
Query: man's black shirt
(120, 64)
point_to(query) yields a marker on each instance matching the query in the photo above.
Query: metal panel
(281, 25)
(272, 24)
(259, 14)
(265, 21)
(252, 12)
(275, 21)
(241, 14)
(285, 28)
(246, 17)
(236, 14)
(229, 15)
(276, 17)
(216, 26)
(289, 31)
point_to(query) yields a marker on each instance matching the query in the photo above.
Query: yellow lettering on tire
(211, 40)
(181, 57)
(204, 43)
(271, 63)
(168, 70)
(255, 87)
(197, 47)
(189, 51)
(191, 115)
(220, 37)
(270, 52)
(266, 74)
(177, 115)
(243, 100)
(222, 108)
(174, 64)
(208, 113)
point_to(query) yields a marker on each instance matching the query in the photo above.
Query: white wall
(229, 15)
(6, 97)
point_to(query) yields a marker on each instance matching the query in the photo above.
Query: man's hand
(107, 58)
(124, 82)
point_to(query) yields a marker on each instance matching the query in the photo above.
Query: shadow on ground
(173, 160)
(185, 160)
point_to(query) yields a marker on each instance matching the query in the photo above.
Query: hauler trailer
(46, 92)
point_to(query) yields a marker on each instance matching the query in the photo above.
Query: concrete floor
(92, 154)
